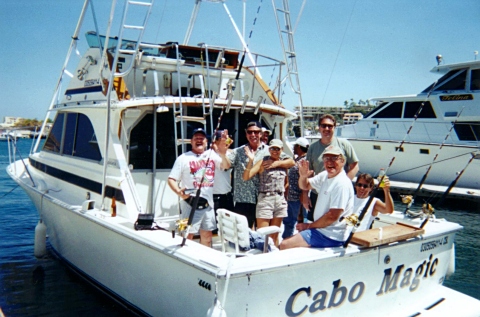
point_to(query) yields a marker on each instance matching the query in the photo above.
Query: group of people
(269, 187)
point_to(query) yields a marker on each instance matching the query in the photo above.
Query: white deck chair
(233, 227)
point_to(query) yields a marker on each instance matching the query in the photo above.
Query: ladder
(178, 110)
(289, 55)
(139, 29)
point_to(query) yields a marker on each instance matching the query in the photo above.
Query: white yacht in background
(117, 131)
(445, 136)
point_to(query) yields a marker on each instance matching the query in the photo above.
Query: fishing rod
(214, 137)
(382, 177)
(452, 184)
(422, 181)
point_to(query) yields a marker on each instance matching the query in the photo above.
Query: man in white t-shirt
(335, 200)
(196, 169)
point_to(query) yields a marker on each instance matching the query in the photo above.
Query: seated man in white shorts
(335, 200)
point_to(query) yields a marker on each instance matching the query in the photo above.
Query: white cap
(302, 142)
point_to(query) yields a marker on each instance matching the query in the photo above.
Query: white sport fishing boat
(99, 156)
(445, 136)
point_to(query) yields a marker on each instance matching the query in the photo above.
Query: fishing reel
(407, 199)
(352, 220)
(179, 226)
(428, 209)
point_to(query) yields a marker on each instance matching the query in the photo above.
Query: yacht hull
(411, 164)
(149, 271)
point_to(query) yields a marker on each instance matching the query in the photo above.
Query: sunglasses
(325, 126)
(253, 131)
(362, 185)
(276, 149)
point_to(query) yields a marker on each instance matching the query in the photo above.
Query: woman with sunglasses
(364, 186)
(271, 205)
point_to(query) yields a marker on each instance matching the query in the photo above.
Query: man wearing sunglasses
(327, 125)
(245, 193)
(335, 200)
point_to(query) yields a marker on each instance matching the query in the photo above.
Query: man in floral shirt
(245, 192)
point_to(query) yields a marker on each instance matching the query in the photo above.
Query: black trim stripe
(78, 181)
(83, 90)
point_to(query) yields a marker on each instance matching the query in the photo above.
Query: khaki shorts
(271, 205)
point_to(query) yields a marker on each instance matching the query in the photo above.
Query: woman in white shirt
(364, 186)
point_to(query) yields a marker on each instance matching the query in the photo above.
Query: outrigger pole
(433, 161)
(452, 184)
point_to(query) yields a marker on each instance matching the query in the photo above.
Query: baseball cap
(276, 143)
(218, 134)
(254, 124)
(334, 150)
(302, 142)
(199, 130)
(265, 130)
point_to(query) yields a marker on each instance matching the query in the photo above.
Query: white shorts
(202, 219)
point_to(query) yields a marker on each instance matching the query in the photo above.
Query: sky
(346, 49)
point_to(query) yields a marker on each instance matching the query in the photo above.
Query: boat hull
(412, 163)
(149, 271)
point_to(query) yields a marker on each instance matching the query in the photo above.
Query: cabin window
(456, 82)
(393, 111)
(424, 151)
(475, 80)
(377, 147)
(76, 131)
(411, 109)
(141, 142)
(398, 149)
(467, 131)
(54, 140)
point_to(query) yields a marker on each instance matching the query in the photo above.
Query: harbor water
(47, 287)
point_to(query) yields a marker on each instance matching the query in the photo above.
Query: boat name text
(390, 283)
(427, 246)
(91, 82)
(338, 295)
(456, 97)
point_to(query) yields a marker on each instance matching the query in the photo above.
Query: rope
(10, 191)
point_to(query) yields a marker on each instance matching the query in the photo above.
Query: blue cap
(199, 130)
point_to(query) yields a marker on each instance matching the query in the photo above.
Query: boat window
(440, 81)
(475, 81)
(411, 109)
(456, 82)
(78, 140)
(394, 110)
(467, 131)
(54, 139)
(141, 142)
(380, 106)
(86, 144)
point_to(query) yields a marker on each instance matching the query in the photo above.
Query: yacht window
(392, 111)
(456, 82)
(141, 142)
(54, 139)
(475, 81)
(424, 151)
(377, 147)
(375, 109)
(86, 144)
(78, 137)
(411, 109)
(440, 81)
(467, 131)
